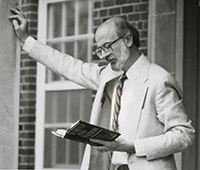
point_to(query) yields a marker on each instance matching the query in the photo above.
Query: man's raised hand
(20, 23)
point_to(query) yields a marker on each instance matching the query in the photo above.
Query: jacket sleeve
(84, 74)
(178, 131)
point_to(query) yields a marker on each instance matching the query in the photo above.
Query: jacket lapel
(107, 76)
(141, 90)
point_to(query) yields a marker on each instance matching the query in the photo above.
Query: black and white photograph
(99, 84)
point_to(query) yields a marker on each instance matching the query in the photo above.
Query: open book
(82, 132)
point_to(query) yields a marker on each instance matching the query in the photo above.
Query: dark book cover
(83, 131)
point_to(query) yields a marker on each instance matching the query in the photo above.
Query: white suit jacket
(160, 124)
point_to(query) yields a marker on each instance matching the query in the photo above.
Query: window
(66, 25)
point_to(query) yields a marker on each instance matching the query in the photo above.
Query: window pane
(73, 148)
(82, 50)
(61, 153)
(69, 48)
(57, 46)
(48, 148)
(54, 19)
(83, 16)
(69, 17)
(64, 107)
(60, 150)
(67, 106)
(51, 76)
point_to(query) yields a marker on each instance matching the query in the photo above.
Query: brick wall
(28, 94)
(134, 11)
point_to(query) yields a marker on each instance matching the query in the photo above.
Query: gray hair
(125, 29)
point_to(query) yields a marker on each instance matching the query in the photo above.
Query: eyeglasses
(106, 49)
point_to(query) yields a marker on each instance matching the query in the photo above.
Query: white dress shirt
(120, 158)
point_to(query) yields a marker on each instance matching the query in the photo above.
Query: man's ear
(129, 41)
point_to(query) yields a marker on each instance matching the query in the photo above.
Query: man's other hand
(118, 144)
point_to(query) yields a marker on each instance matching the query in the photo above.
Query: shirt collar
(135, 68)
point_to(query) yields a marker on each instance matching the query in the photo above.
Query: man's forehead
(105, 33)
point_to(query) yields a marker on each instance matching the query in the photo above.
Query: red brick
(140, 25)
(103, 12)
(30, 64)
(127, 9)
(30, 7)
(145, 25)
(33, 16)
(143, 43)
(29, 1)
(30, 79)
(27, 166)
(33, 33)
(24, 56)
(141, 7)
(29, 110)
(144, 34)
(97, 4)
(27, 135)
(26, 143)
(33, 24)
(27, 159)
(120, 2)
(30, 95)
(29, 143)
(144, 16)
(20, 127)
(26, 151)
(124, 16)
(95, 14)
(27, 118)
(28, 71)
(134, 17)
(133, 1)
(108, 3)
(97, 22)
(114, 11)
(25, 103)
(29, 127)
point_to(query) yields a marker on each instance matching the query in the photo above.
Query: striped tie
(117, 105)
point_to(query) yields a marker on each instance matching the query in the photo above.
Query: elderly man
(135, 97)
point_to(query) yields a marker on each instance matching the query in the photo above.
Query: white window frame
(42, 87)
